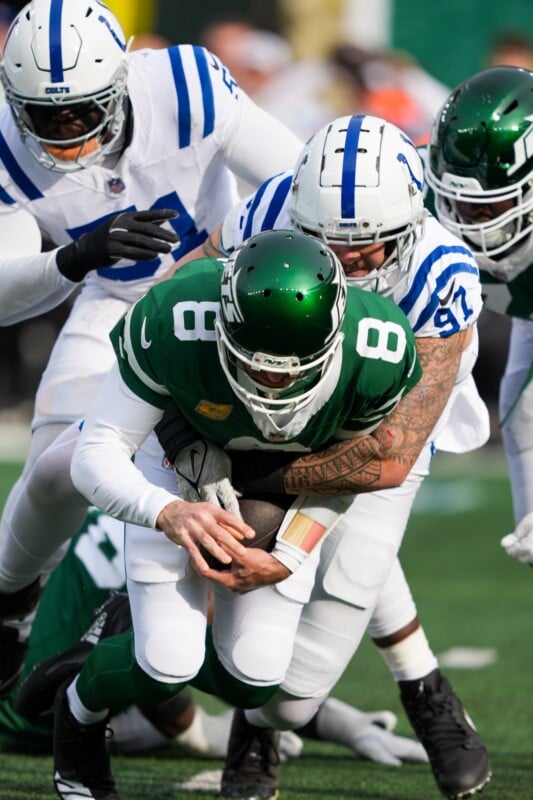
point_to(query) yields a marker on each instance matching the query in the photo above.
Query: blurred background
(307, 61)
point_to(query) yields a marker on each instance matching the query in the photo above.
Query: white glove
(385, 747)
(519, 544)
(203, 472)
(290, 745)
(367, 733)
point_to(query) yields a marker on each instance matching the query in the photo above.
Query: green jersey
(514, 298)
(91, 569)
(166, 347)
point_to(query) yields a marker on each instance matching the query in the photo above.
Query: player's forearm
(109, 481)
(348, 467)
(30, 286)
(101, 467)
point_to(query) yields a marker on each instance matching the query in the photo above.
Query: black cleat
(17, 605)
(13, 651)
(37, 692)
(13, 648)
(82, 766)
(457, 755)
(251, 770)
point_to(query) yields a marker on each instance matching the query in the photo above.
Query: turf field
(469, 594)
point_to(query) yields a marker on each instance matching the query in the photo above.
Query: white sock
(78, 710)
(410, 659)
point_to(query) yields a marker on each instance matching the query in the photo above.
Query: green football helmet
(481, 155)
(283, 298)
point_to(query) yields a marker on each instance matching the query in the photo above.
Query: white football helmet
(359, 180)
(64, 72)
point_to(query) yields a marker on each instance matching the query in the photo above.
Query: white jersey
(441, 296)
(192, 126)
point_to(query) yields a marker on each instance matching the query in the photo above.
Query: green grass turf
(468, 592)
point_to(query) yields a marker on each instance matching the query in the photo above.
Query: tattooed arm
(383, 459)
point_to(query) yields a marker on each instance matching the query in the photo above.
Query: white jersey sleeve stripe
(276, 204)
(17, 175)
(434, 302)
(428, 264)
(273, 207)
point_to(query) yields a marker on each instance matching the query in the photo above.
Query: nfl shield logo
(115, 186)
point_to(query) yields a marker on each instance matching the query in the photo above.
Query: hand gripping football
(264, 513)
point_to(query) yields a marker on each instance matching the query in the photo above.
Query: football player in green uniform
(480, 168)
(269, 350)
(84, 601)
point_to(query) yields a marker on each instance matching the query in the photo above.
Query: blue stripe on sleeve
(276, 204)
(17, 175)
(56, 51)
(182, 91)
(207, 90)
(253, 208)
(5, 197)
(417, 287)
(348, 168)
(443, 279)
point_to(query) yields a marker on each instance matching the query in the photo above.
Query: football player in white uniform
(89, 135)
(358, 186)
(480, 168)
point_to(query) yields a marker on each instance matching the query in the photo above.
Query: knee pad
(167, 658)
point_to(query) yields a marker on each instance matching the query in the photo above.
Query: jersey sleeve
(444, 291)
(30, 282)
(139, 347)
(255, 144)
(264, 210)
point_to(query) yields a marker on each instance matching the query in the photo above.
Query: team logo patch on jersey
(115, 186)
(213, 410)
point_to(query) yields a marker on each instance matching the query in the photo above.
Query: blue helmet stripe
(349, 164)
(207, 90)
(184, 104)
(16, 173)
(56, 53)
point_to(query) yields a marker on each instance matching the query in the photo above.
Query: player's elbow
(393, 474)
(82, 471)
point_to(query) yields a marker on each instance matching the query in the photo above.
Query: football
(263, 513)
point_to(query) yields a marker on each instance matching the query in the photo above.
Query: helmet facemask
(495, 238)
(100, 117)
(305, 382)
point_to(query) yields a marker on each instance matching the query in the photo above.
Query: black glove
(135, 235)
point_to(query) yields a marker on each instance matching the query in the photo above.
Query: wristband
(306, 523)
